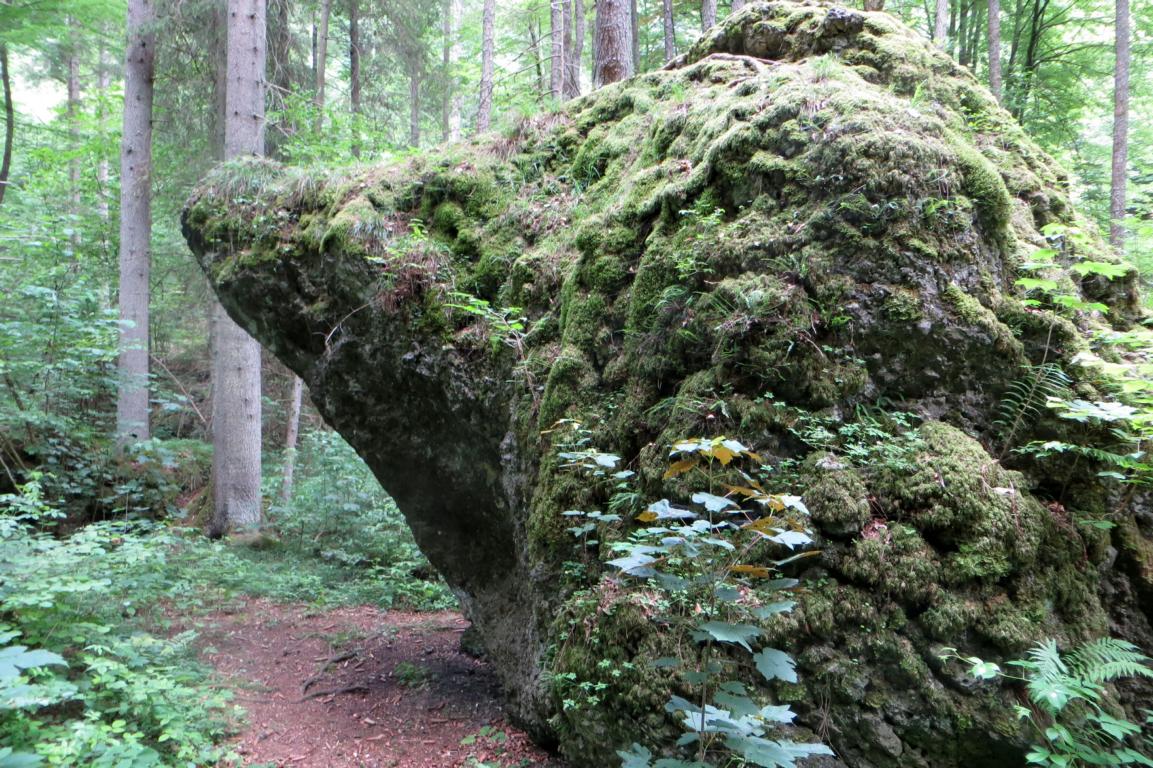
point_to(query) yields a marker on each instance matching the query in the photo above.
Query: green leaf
(765, 611)
(775, 665)
(724, 632)
(15, 658)
(712, 502)
(1105, 268)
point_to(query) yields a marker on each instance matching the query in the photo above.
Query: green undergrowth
(95, 668)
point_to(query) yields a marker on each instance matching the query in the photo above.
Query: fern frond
(1025, 399)
(1109, 659)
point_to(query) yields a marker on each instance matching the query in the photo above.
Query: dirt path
(361, 688)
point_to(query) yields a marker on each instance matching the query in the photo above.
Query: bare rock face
(812, 217)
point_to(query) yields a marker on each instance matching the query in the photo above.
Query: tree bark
(73, 119)
(290, 437)
(571, 86)
(941, 23)
(321, 61)
(708, 14)
(995, 48)
(9, 121)
(414, 106)
(556, 56)
(1120, 165)
(452, 61)
(635, 34)
(235, 354)
(736, 5)
(613, 41)
(102, 166)
(354, 96)
(577, 57)
(136, 223)
(487, 54)
(670, 31)
(874, 5)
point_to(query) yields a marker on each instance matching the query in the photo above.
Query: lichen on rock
(813, 207)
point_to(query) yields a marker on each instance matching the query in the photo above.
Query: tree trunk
(534, 37)
(354, 96)
(566, 40)
(995, 48)
(635, 34)
(1120, 170)
(941, 23)
(556, 57)
(452, 64)
(487, 53)
(73, 119)
(290, 436)
(235, 355)
(102, 169)
(414, 106)
(670, 31)
(708, 14)
(736, 5)
(280, 74)
(322, 60)
(577, 57)
(613, 41)
(9, 121)
(136, 223)
(874, 5)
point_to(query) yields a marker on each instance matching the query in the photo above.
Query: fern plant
(1069, 697)
(1026, 399)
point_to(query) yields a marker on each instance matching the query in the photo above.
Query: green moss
(974, 313)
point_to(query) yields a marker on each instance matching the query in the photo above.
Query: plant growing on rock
(703, 559)
(1072, 715)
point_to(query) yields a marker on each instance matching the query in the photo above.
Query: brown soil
(361, 688)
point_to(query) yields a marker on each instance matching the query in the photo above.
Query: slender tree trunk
(613, 41)
(487, 54)
(635, 34)
(670, 31)
(322, 60)
(556, 57)
(354, 96)
(736, 5)
(455, 9)
(73, 117)
(414, 106)
(961, 36)
(995, 48)
(9, 121)
(280, 73)
(102, 169)
(535, 36)
(1120, 169)
(941, 23)
(290, 437)
(236, 355)
(578, 51)
(708, 14)
(567, 42)
(136, 223)
(874, 5)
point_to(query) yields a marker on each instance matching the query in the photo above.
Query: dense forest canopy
(768, 382)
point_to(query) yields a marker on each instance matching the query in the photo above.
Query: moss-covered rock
(813, 207)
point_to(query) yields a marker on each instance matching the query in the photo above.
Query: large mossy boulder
(812, 214)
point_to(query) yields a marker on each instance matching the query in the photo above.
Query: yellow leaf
(723, 454)
(756, 571)
(754, 456)
(647, 516)
(679, 468)
(766, 525)
(748, 493)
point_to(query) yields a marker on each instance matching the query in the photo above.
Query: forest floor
(360, 688)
